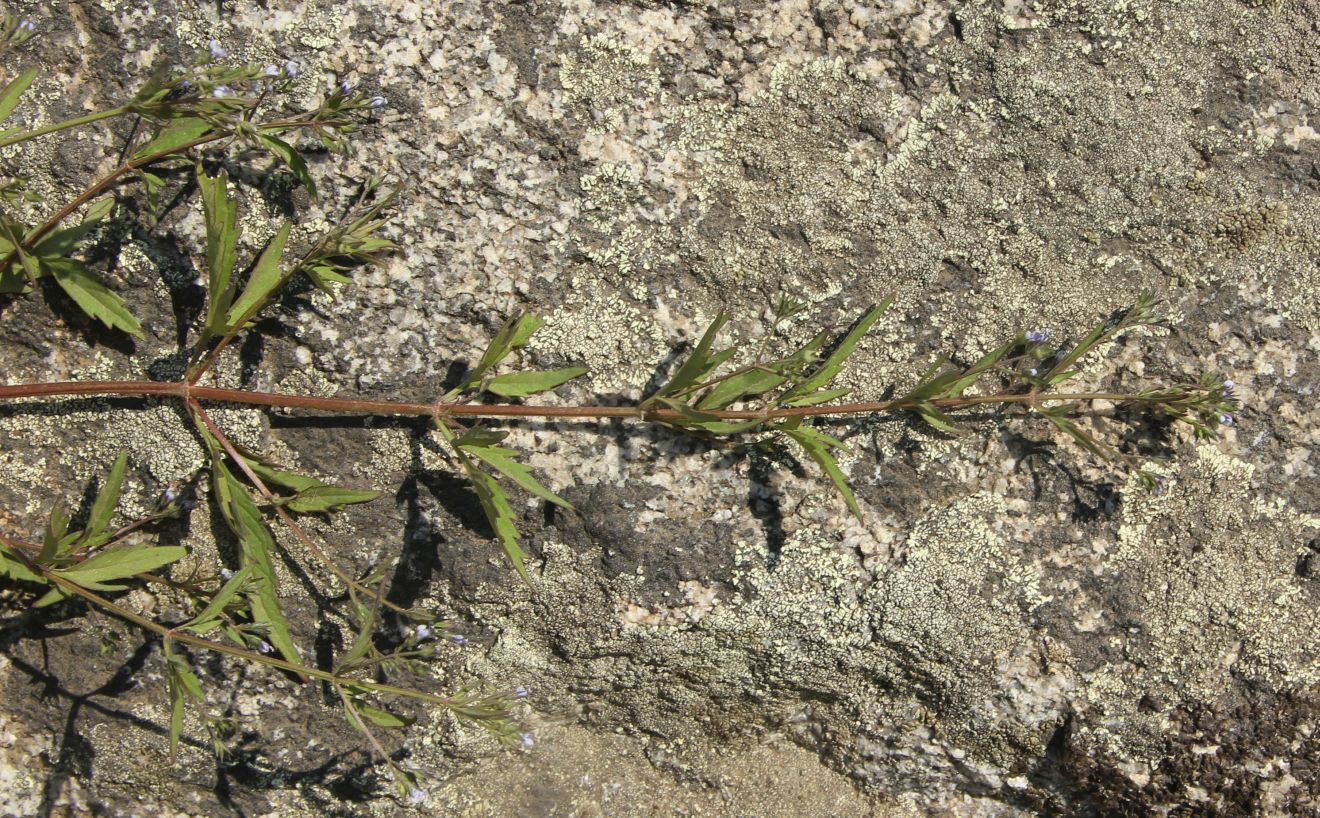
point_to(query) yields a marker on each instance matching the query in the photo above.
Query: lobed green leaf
(121, 563)
(327, 498)
(63, 242)
(831, 366)
(699, 364)
(210, 617)
(221, 246)
(14, 568)
(748, 384)
(817, 445)
(91, 295)
(264, 281)
(495, 504)
(522, 384)
(103, 507)
(502, 460)
(176, 133)
(290, 156)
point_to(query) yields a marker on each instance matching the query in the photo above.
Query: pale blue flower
(217, 50)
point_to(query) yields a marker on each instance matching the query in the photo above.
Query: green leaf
(265, 279)
(382, 718)
(122, 563)
(91, 295)
(56, 527)
(15, 569)
(52, 596)
(14, 91)
(272, 476)
(515, 332)
(740, 387)
(11, 280)
(322, 275)
(311, 495)
(327, 498)
(290, 157)
(502, 460)
(176, 133)
(1056, 416)
(256, 547)
(522, 384)
(817, 445)
(830, 367)
(183, 684)
(969, 376)
(699, 363)
(63, 242)
(936, 418)
(153, 185)
(209, 619)
(816, 398)
(362, 643)
(221, 246)
(495, 504)
(103, 508)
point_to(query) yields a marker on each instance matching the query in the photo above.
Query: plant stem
(220, 647)
(105, 182)
(204, 419)
(86, 119)
(185, 391)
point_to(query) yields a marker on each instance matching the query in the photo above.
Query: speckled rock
(1013, 629)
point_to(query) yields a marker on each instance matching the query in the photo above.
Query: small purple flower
(27, 26)
(520, 692)
(226, 574)
(1035, 336)
(170, 496)
(217, 51)
(458, 639)
(528, 740)
(265, 647)
(346, 87)
(272, 70)
(416, 797)
(291, 68)
(1034, 372)
(379, 102)
(1161, 485)
(1226, 419)
(185, 84)
(424, 632)
(222, 91)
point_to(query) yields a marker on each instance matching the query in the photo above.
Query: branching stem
(186, 391)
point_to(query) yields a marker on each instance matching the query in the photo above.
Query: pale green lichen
(1220, 593)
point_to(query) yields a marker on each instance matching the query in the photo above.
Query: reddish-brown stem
(221, 647)
(389, 407)
(284, 515)
(104, 183)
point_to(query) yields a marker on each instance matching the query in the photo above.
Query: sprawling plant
(196, 118)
